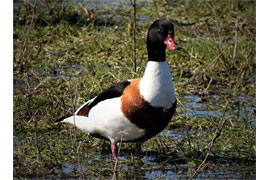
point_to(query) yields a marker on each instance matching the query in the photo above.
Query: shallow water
(200, 107)
(154, 167)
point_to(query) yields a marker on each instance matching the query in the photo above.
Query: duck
(134, 110)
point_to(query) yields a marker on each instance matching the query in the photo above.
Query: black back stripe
(114, 91)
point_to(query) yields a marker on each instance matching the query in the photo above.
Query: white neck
(156, 86)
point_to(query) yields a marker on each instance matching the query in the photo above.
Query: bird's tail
(86, 104)
(62, 118)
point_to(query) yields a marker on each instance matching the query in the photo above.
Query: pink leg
(114, 151)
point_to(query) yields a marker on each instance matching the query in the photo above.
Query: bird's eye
(160, 30)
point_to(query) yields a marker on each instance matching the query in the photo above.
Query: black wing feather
(114, 91)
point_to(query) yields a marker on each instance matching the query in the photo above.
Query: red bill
(171, 43)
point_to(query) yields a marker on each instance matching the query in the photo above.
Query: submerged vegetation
(68, 52)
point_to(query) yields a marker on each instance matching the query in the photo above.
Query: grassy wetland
(66, 52)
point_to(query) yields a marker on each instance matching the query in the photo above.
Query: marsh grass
(72, 55)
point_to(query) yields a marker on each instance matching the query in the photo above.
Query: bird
(134, 110)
